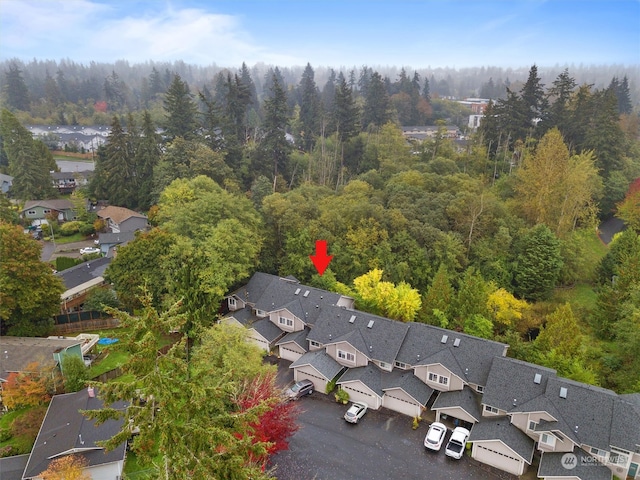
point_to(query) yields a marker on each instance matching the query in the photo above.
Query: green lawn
(76, 237)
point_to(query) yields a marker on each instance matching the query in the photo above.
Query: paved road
(609, 228)
(381, 447)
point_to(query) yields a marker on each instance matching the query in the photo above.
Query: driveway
(50, 250)
(382, 446)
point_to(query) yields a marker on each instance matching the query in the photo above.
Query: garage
(398, 401)
(358, 392)
(260, 342)
(290, 351)
(498, 456)
(309, 373)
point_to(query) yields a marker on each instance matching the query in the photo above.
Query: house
(425, 132)
(18, 353)
(516, 410)
(120, 219)
(562, 416)
(67, 182)
(109, 242)
(65, 431)
(79, 281)
(5, 182)
(37, 211)
(78, 137)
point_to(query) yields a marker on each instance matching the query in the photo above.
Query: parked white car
(457, 442)
(435, 436)
(356, 412)
(89, 250)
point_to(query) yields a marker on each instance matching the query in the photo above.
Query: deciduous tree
(68, 467)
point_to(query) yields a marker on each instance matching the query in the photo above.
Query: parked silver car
(299, 389)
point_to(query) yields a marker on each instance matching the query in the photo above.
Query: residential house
(515, 409)
(67, 182)
(424, 132)
(66, 431)
(120, 219)
(109, 242)
(77, 137)
(37, 211)
(5, 182)
(79, 281)
(18, 353)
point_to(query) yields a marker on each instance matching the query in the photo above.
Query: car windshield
(351, 413)
(296, 388)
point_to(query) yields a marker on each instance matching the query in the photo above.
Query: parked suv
(299, 389)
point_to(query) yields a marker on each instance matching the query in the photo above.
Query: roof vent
(371, 348)
(456, 342)
(537, 379)
(515, 402)
(575, 430)
(297, 291)
(563, 392)
(370, 324)
(444, 339)
(352, 319)
(306, 294)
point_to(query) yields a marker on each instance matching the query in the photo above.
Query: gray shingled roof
(84, 272)
(73, 431)
(551, 465)
(466, 399)
(501, 429)
(473, 355)
(624, 426)
(299, 338)
(19, 352)
(267, 329)
(13, 467)
(58, 204)
(511, 379)
(116, 238)
(369, 375)
(407, 381)
(385, 336)
(322, 362)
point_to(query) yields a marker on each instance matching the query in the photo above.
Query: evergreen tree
(534, 101)
(29, 161)
(538, 264)
(621, 91)
(146, 158)
(426, 90)
(604, 135)
(345, 111)
(559, 96)
(15, 91)
(180, 110)
(274, 146)
(376, 109)
(328, 94)
(309, 109)
(114, 91)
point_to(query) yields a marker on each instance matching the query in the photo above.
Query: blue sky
(335, 33)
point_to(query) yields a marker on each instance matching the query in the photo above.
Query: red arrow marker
(321, 260)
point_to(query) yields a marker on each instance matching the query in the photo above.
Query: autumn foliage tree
(26, 389)
(629, 209)
(69, 467)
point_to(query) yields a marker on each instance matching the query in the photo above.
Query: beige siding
(497, 454)
(453, 382)
(360, 359)
(275, 319)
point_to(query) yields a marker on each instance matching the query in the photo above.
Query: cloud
(85, 30)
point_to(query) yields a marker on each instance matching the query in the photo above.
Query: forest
(494, 235)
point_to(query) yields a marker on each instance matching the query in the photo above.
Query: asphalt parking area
(381, 446)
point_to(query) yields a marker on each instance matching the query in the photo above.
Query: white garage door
(359, 394)
(263, 344)
(398, 404)
(289, 354)
(320, 383)
(497, 459)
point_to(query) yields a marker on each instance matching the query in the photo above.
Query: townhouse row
(514, 408)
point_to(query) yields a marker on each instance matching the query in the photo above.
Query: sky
(330, 33)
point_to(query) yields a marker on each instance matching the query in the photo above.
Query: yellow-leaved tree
(506, 310)
(400, 302)
(69, 467)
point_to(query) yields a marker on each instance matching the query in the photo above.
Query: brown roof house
(120, 219)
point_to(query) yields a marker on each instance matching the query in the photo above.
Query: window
(46, 211)
(286, 321)
(383, 365)
(479, 389)
(548, 439)
(31, 212)
(532, 425)
(598, 452)
(401, 365)
(435, 378)
(348, 356)
(260, 313)
(490, 409)
(314, 344)
(232, 302)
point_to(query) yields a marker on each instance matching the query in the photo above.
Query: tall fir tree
(376, 109)
(180, 110)
(274, 146)
(309, 109)
(15, 91)
(345, 111)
